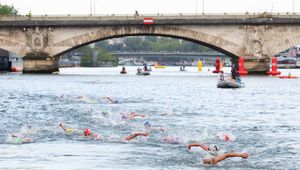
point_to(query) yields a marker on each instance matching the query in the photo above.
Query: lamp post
(91, 12)
(203, 7)
(196, 7)
(293, 6)
(94, 7)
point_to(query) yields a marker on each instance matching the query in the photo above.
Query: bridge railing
(156, 16)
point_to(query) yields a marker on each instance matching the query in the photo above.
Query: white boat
(229, 84)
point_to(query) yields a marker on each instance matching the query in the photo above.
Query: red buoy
(274, 71)
(218, 66)
(241, 70)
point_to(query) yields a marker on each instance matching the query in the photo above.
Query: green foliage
(8, 10)
(105, 57)
(102, 58)
(86, 60)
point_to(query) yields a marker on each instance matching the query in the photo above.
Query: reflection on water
(263, 118)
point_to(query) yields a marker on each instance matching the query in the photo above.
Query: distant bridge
(257, 37)
(169, 54)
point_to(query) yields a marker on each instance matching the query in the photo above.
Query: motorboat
(230, 84)
(143, 73)
(182, 69)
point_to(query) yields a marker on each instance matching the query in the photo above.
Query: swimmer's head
(69, 130)
(147, 124)
(104, 112)
(213, 148)
(123, 116)
(86, 132)
(226, 137)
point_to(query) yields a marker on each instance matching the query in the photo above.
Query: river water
(262, 119)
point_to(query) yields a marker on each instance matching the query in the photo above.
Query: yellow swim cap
(69, 130)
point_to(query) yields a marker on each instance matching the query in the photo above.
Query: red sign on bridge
(148, 21)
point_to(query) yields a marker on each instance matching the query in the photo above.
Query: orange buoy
(241, 70)
(218, 66)
(15, 69)
(274, 71)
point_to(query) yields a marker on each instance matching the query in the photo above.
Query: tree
(8, 10)
(86, 60)
(105, 57)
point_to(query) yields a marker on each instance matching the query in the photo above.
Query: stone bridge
(256, 37)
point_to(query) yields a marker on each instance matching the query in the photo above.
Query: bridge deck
(159, 19)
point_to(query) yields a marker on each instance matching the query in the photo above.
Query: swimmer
(19, 139)
(214, 157)
(86, 132)
(136, 134)
(150, 127)
(66, 129)
(110, 99)
(131, 115)
(172, 140)
(86, 99)
(226, 137)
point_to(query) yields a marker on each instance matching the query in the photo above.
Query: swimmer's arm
(110, 99)
(63, 127)
(228, 155)
(134, 135)
(14, 136)
(204, 147)
(131, 116)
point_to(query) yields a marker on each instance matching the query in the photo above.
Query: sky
(82, 7)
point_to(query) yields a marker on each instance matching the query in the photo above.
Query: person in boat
(213, 156)
(112, 100)
(289, 75)
(238, 77)
(222, 77)
(19, 139)
(87, 133)
(145, 67)
(136, 134)
(123, 70)
(233, 72)
(139, 70)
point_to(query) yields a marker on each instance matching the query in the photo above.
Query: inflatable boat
(230, 84)
(143, 73)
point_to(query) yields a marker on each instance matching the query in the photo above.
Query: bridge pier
(257, 66)
(40, 66)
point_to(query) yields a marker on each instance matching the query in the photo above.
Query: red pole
(274, 71)
(241, 70)
(218, 65)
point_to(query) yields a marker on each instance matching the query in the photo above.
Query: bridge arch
(227, 47)
(12, 46)
(284, 44)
